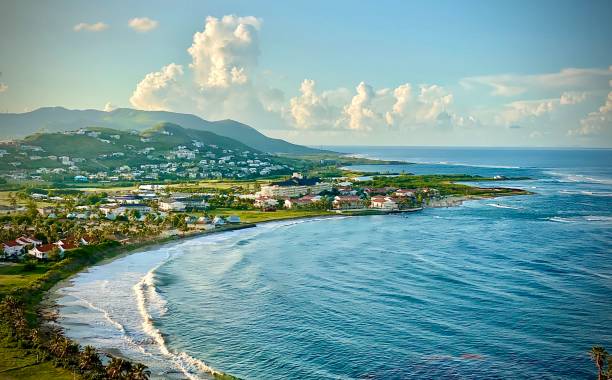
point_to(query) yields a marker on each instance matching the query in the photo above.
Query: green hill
(164, 151)
(59, 119)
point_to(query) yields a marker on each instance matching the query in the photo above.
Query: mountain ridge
(61, 119)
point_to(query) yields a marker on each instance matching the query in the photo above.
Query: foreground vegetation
(603, 362)
(31, 350)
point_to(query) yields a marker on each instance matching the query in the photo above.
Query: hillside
(59, 119)
(165, 151)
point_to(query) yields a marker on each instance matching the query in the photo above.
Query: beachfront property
(304, 201)
(295, 186)
(265, 203)
(383, 203)
(347, 202)
(43, 251)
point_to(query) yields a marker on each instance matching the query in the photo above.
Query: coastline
(48, 309)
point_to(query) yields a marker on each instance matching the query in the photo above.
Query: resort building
(295, 186)
(171, 205)
(384, 203)
(347, 202)
(265, 203)
(301, 202)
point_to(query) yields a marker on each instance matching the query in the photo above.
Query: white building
(171, 205)
(296, 186)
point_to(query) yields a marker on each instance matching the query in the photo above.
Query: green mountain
(59, 119)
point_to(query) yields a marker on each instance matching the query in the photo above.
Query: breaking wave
(147, 294)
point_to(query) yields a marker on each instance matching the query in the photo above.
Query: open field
(18, 364)
(257, 216)
(14, 276)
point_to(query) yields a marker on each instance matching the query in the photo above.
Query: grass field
(18, 364)
(257, 216)
(13, 276)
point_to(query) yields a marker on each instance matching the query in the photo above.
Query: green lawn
(13, 276)
(257, 216)
(17, 363)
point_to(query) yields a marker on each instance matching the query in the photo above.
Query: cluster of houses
(196, 160)
(300, 192)
(35, 248)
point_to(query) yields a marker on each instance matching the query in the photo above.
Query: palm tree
(118, 368)
(598, 354)
(139, 372)
(89, 360)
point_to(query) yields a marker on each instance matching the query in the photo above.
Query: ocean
(516, 287)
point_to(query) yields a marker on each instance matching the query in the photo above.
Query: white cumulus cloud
(311, 110)
(3, 87)
(596, 122)
(142, 24)
(95, 27)
(109, 107)
(226, 51)
(360, 114)
(159, 89)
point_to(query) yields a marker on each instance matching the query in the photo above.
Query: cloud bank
(221, 79)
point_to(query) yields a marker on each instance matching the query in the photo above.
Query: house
(12, 248)
(127, 208)
(171, 205)
(301, 202)
(127, 199)
(202, 223)
(265, 203)
(233, 219)
(347, 202)
(44, 250)
(383, 203)
(218, 221)
(66, 244)
(404, 193)
(346, 190)
(28, 240)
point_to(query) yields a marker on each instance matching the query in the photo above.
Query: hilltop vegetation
(166, 151)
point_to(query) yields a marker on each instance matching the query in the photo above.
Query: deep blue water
(517, 287)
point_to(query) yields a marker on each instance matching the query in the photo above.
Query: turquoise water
(514, 287)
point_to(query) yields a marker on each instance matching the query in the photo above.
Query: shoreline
(48, 309)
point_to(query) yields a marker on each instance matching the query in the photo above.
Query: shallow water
(513, 287)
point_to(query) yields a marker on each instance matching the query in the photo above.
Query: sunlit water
(515, 287)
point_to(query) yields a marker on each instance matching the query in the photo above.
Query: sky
(434, 73)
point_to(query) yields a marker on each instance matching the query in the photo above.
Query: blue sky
(520, 73)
